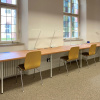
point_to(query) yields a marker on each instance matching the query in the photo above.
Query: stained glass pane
(3, 36)
(13, 28)
(8, 24)
(14, 2)
(9, 1)
(3, 1)
(14, 13)
(8, 12)
(8, 36)
(8, 20)
(74, 6)
(74, 27)
(13, 36)
(8, 28)
(3, 20)
(67, 6)
(13, 21)
(3, 12)
(3, 28)
(66, 26)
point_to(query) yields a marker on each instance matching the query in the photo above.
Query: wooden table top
(7, 56)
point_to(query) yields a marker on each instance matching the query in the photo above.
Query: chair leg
(41, 77)
(34, 74)
(78, 65)
(87, 62)
(21, 80)
(59, 64)
(66, 67)
(95, 61)
(16, 74)
(70, 63)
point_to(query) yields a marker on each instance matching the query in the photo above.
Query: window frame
(73, 15)
(10, 6)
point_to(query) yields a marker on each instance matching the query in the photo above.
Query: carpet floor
(83, 85)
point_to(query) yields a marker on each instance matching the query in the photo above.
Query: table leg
(51, 67)
(1, 65)
(80, 58)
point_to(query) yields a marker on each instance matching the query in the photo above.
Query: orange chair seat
(85, 53)
(22, 66)
(64, 58)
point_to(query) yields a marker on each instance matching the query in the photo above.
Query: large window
(8, 31)
(71, 19)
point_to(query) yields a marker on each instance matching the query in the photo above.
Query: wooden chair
(32, 61)
(73, 55)
(92, 51)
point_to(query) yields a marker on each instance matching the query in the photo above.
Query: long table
(47, 51)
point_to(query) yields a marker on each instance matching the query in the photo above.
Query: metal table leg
(51, 67)
(1, 65)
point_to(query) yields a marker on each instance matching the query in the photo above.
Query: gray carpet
(83, 85)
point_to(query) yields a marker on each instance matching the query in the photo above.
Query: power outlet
(48, 59)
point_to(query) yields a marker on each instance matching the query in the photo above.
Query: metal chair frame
(21, 74)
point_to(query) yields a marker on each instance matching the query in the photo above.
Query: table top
(7, 56)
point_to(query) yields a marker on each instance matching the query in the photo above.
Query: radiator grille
(9, 68)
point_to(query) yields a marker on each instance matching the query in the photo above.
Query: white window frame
(5, 5)
(73, 15)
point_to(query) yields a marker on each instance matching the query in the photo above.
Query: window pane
(8, 20)
(3, 11)
(67, 6)
(8, 24)
(74, 27)
(3, 20)
(8, 12)
(14, 2)
(13, 36)
(67, 25)
(8, 28)
(3, 28)
(13, 28)
(14, 13)
(3, 36)
(74, 6)
(8, 36)
(13, 21)
(9, 1)
(3, 1)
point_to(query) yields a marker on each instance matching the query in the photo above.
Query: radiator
(9, 68)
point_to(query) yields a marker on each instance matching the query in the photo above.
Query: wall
(93, 20)
(83, 20)
(23, 20)
(45, 16)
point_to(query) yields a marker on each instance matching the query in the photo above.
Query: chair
(73, 55)
(32, 61)
(92, 51)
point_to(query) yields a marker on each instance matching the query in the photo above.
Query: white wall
(93, 20)
(23, 11)
(47, 16)
(83, 20)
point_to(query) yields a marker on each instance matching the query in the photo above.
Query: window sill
(11, 44)
(67, 40)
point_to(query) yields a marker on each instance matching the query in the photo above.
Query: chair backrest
(32, 60)
(73, 53)
(92, 49)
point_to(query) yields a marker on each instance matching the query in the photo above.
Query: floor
(83, 85)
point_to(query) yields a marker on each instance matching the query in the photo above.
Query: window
(71, 19)
(8, 20)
